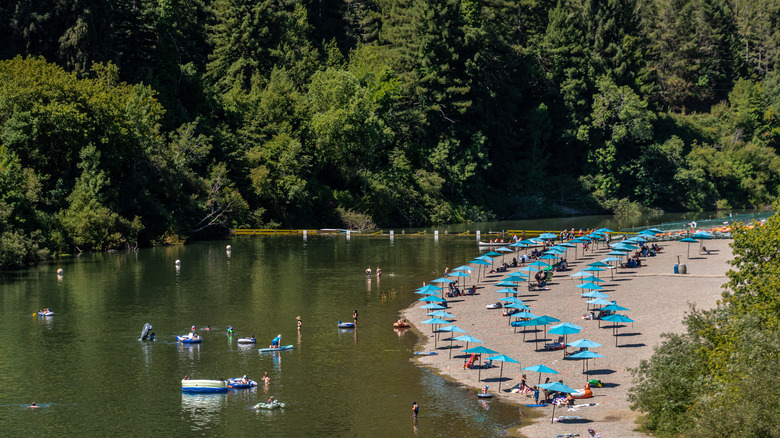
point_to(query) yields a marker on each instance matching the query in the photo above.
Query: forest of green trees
(141, 122)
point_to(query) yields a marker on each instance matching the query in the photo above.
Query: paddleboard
(285, 347)
(538, 405)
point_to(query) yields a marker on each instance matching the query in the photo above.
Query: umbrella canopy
(516, 279)
(590, 286)
(504, 249)
(548, 236)
(459, 274)
(540, 369)
(441, 314)
(525, 315)
(492, 254)
(467, 339)
(612, 259)
(567, 245)
(614, 307)
(463, 268)
(584, 343)
(539, 263)
(506, 290)
(599, 264)
(433, 306)
(595, 294)
(593, 269)
(442, 280)
(605, 230)
(433, 299)
(597, 301)
(516, 274)
(434, 321)
(480, 262)
(592, 278)
(618, 252)
(548, 257)
(514, 300)
(517, 306)
(429, 287)
(502, 358)
(580, 274)
(507, 283)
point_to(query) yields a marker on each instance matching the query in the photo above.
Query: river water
(91, 375)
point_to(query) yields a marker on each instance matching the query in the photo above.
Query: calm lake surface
(91, 375)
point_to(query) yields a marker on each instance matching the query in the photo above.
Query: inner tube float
(189, 340)
(346, 325)
(247, 341)
(274, 405)
(425, 353)
(484, 395)
(238, 383)
(45, 313)
(401, 325)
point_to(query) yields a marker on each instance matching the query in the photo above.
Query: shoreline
(657, 298)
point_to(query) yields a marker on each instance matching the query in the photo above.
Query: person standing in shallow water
(354, 316)
(368, 271)
(415, 409)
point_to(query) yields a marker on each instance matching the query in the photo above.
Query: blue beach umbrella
(548, 236)
(463, 268)
(540, 369)
(433, 306)
(432, 299)
(480, 351)
(583, 343)
(688, 240)
(614, 308)
(617, 318)
(512, 300)
(556, 387)
(590, 286)
(564, 329)
(506, 290)
(585, 356)
(460, 275)
(507, 283)
(592, 279)
(502, 358)
(467, 339)
(594, 294)
(433, 322)
(517, 274)
(442, 314)
(452, 329)
(492, 254)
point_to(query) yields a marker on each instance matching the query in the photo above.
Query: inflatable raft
(494, 306)
(274, 405)
(346, 325)
(238, 383)
(203, 386)
(189, 340)
(247, 341)
(45, 313)
(401, 325)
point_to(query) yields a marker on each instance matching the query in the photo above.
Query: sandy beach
(657, 298)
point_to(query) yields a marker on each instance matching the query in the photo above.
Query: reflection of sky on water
(202, 409)
(45, 321)
(189, 351)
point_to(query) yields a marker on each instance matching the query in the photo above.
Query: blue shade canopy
(502, 358)
(467, 338)
(605, 230)
(599, 264)
(514, 300)
(563, 330)
(442, 314)
(434, 321)
(505, 249)
(480, 350)
(584, 343)
(433, 306)
(587, 354)
(541, 369)
(493, 254)
(453, 329)
(618, 252)
(617, 318)
(442, 280)
(688, 240)
(593, 269)
(590, 286)
(463, 268)
(580, 274)
(517, 306)
(517, 274)
(548, 257)
(614, 308)
(592, 279)
(457, 274)
(429, 288)
(480, 262)
(508, 283)
(506, 290)
(568, 245)
(548, 236)
(567, 324)
(612, 259)
(595, 294)
(557, 387)
(539, 263)
(599, 302)
(433, 299)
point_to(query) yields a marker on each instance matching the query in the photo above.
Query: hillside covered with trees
(138, 122)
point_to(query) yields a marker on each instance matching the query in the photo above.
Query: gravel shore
(657, 298)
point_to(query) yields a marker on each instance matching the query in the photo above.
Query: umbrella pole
(501, 377)
(553, 414)
(450, 347)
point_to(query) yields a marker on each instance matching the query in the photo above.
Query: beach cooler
(676, 268)
(683, 269)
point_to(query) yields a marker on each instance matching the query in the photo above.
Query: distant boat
(493, 243)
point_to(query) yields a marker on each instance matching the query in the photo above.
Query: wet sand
(657, 298)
